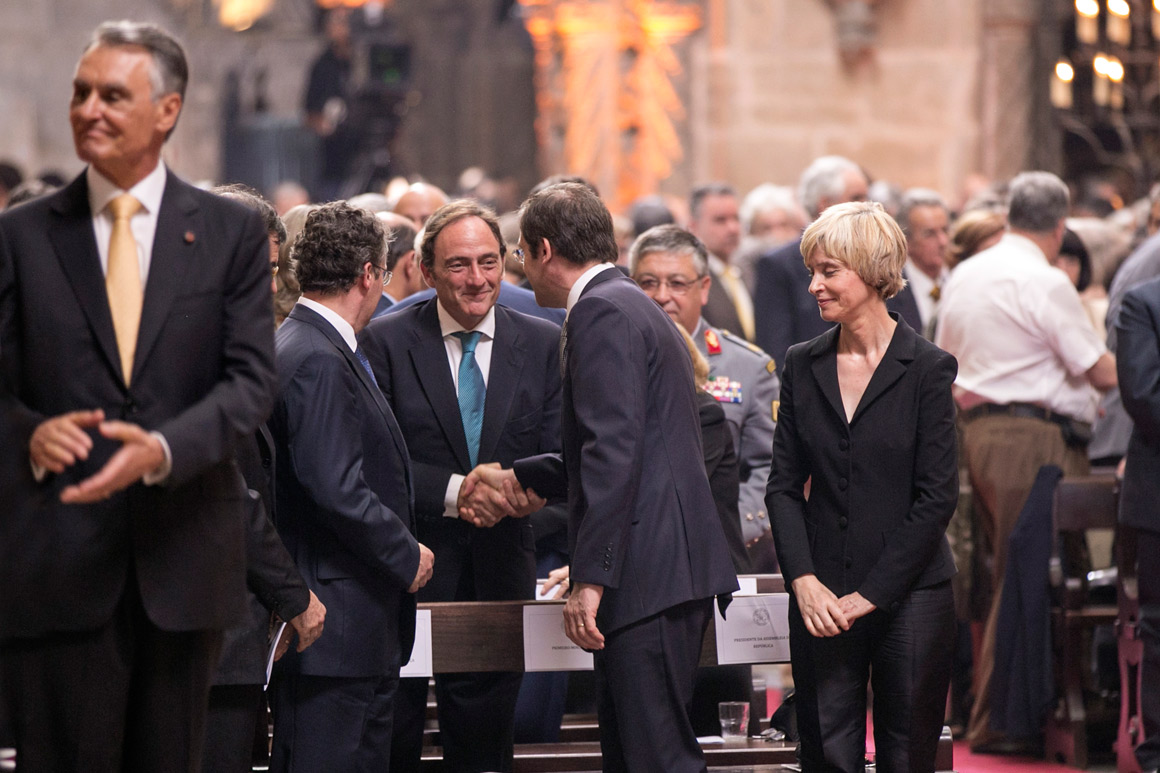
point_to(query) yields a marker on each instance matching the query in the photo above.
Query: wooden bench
(1080, 503)
(488, 636)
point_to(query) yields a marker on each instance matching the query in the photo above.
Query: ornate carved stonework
(607, 105)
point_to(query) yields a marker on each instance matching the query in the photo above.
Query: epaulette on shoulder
(744, 343)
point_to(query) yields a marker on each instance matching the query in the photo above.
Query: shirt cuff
(451, 498)
(38, 473)
(159, 475)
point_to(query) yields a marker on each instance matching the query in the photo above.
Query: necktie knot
(124, 207)
(469, 340)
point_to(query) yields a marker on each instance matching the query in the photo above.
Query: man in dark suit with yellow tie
(135, 351)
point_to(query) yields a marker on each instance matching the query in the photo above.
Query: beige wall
(770, 93)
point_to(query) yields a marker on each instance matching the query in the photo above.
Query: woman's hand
(822, 613)
(855, 605)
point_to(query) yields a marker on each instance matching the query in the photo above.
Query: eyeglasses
(384, 272)
(676, 284)
(518, 254)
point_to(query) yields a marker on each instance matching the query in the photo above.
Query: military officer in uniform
(671, 266)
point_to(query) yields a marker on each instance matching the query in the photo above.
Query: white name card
(546, 646)
(420, 662)
(756, 630)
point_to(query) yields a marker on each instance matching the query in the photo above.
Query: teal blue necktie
(472, 393)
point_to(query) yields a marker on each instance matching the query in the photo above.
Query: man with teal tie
(470, 382)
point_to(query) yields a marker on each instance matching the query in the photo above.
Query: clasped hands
(62, 441)
(824, 613)
(489, 494)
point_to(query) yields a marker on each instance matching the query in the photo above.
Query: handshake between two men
(489, 494)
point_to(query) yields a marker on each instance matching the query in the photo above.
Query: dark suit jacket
(642, 521)
(202, 377)
(383, 306)
(907, 308)
(724, 476)
(513, 297)
(345, 503)
(784, 312)
(1138, 365)
(719, 311)
(883, 485)
(274, 584)
(521, 418)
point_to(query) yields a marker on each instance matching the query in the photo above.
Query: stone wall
(945, 92)
(948, 90)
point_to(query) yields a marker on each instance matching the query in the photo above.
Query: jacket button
(849, 562)
(843, 522)
(842, 483)
(254, 494)
(844, 444)
(749, 516)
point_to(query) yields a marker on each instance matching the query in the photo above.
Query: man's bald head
(419, 202)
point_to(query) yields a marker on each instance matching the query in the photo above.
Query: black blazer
(1138, 366)
(521, 418)
(345, 503)
(641, 517)
(274, 584)
(884, 485)
(202, 376)
(724, 475)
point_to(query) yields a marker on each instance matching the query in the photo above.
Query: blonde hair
(970, 231)
(700, 364)
(862, 237)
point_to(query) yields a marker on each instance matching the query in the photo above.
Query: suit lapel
(173, 254)
(429, 358)
(891, 368)
(76, 249)
(825, 369)
(507, 364)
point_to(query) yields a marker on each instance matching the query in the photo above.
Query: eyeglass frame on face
(683, 287)
(384, 272)
(518, 254)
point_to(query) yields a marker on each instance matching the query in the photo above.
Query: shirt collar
(583, 280)
(913, 271)
(1022, 245)
(343, 327)
(448, 325)
(148, 190)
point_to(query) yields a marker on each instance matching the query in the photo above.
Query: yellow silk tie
(735, 289)
(123, 280)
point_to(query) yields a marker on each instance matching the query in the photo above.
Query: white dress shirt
(1017, 327)
(336, 321)
(582, 282)
(143, 224)
(454, 347)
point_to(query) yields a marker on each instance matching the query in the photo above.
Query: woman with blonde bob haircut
(866, 416)
(863, 238)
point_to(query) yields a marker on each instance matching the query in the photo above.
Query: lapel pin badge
(189, 237)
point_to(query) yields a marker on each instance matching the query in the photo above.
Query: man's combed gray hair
(825, 178)
(917, 197)
(766, 197)
(1039, 200)
(170, 71)
(669, 239)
